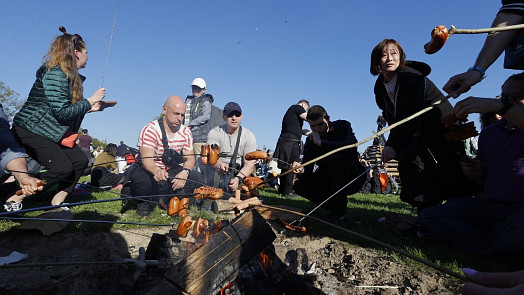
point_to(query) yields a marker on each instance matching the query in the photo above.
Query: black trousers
(63, 165)
(144, 184)
(289, 151)
(433, 176)
(101, 177)
(336, 171)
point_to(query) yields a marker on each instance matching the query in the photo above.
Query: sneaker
(291, 195)
(64, 208)
(12, 206)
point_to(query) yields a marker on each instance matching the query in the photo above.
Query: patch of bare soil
(331, 266)
(337, 268)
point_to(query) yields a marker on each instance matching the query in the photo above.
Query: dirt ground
(331, 266)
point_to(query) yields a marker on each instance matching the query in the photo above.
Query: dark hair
(376, 55)
(487, 119)
(316, 112)
(111, 149)
(303, 101)
(84, 131)
(518, 77)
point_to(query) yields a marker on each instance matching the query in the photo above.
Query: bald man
(162, 172)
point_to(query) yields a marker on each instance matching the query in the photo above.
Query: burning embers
(212, 265)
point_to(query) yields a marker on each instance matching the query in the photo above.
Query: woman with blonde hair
(54, 109)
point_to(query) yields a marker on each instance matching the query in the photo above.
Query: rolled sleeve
(9, 154)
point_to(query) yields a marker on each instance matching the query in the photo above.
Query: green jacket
(48, 111)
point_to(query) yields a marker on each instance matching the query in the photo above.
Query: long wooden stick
(425, 110)
(454, 30)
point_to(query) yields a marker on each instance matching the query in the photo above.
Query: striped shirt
(151, 137)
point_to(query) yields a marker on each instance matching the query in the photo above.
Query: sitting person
(54, 111)
(105, 168)
(167, 160)
(226, 136)
(13, 160)
(492, 225)
(333, 172)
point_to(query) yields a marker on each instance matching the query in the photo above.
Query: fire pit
(238, 259)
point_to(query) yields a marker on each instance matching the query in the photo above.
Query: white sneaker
(12, 206)
(64, 208)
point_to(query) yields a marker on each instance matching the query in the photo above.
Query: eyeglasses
(234, 113)
(515, 98)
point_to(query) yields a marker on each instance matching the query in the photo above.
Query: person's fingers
(495, 279)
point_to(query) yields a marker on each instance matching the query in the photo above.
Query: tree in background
(10, 100)
(96, 142)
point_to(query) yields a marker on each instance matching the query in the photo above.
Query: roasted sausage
(214, 154)
(183, 226)
(439, 35)
(256, 155)
(183, 205)
(461, 132)
(173, 206)
(204, 152)
(252, 182)
(200, 225)
(208, 192)
(294, 228)
(108, 103)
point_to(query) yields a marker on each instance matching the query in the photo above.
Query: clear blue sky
(265, 55)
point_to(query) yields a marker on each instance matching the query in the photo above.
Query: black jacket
(414, 91)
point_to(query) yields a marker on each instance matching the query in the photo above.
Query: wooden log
(221, 206)
(217, 262)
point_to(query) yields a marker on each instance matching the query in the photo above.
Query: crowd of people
(438, 177)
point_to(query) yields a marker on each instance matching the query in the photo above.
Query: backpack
(216, 117)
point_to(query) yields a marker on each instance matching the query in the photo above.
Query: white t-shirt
(151, 137)
(227, 143)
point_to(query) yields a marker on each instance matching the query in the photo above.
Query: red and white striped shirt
(151, 137)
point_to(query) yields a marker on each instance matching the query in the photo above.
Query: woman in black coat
(429, 166)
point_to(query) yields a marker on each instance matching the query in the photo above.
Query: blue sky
(265, 55)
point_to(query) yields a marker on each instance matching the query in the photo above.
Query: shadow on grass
(364, 210)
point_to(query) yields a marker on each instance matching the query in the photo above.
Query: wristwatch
(508, 103)
(188, 170)
(240, 179)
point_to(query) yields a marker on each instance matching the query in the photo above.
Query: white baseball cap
(199, 82)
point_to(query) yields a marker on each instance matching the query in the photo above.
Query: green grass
(363, 212)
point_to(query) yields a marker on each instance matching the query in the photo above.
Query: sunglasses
(234, 113)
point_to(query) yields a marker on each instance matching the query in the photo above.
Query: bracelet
(240, 172)
(240, 179)
(480, 70)
(187, 170)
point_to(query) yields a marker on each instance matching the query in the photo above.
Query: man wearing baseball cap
(197, 118)
(234, 141)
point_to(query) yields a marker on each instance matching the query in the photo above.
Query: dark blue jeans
(478, 226)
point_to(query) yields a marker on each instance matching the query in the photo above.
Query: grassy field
(364, 210)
